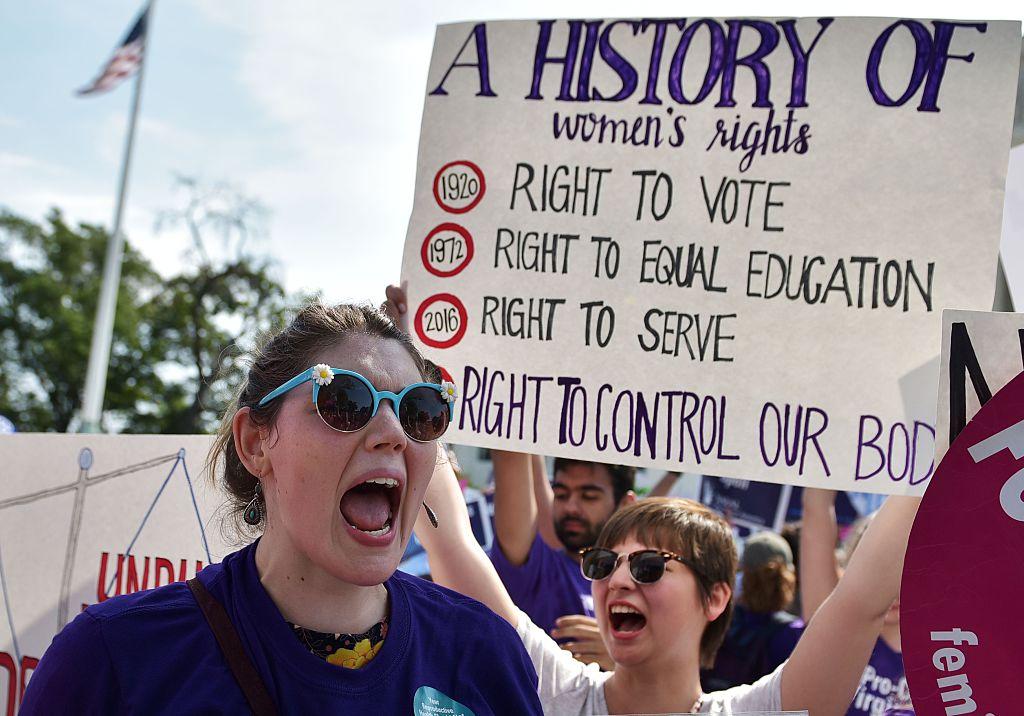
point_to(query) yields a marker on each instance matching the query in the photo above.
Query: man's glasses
(646, 566)
(346, 401)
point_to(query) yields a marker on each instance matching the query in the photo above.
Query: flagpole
(103, 326)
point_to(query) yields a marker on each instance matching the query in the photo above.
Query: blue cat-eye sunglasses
(346, 401)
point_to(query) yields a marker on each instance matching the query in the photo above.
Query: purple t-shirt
(754, 646)
(883, 685)
(153, 652)
(548, 585)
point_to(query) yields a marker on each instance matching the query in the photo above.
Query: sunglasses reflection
(646, 566)
(347, 406)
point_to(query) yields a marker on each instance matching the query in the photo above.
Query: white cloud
(76, 207)
(10, 161)
(344, 83)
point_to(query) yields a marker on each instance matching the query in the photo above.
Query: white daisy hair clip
(322, 374)
(449, 391)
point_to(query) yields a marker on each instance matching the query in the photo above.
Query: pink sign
(963, 580)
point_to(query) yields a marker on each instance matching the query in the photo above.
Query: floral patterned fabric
(350, 651)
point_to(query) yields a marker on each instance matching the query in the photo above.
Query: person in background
(325, 455)
(883, 684)
(762, 634)
(544, 497)
(791, 533)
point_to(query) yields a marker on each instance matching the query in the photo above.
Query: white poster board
(981, 352)
(1012, 244)
(707, 245)
(87, 517)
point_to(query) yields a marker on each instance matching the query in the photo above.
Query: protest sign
(981, 352)
(713, 246)
(764, 505)
(87, 517)
(753, 505)
(1011, 246)
(962, 578)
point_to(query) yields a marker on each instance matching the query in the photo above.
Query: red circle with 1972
(459, 191)
(440, 249)
(451, 320)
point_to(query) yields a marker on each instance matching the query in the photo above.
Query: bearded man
(544, 579)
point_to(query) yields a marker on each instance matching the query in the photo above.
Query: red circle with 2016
(454, 305)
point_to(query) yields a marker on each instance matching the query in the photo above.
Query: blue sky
(311, 107)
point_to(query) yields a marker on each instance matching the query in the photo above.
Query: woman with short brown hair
(663, 572)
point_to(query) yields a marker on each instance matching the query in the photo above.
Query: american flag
(125, 61)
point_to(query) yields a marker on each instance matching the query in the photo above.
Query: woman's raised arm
(825, 668)
(819, 572)
(456, 559)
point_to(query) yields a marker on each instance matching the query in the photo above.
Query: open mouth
(370, 506)
(625, 619)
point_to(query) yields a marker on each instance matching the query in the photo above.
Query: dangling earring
(430, 515)
(253, 514)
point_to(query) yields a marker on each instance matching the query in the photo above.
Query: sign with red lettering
(87, 517)
(962, 581)
(717, 246)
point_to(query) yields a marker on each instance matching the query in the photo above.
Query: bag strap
(234, 653)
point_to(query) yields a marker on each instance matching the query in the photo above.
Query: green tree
(174, 360)
(50, 276)
(213, 310)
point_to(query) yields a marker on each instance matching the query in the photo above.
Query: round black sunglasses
(646, 566)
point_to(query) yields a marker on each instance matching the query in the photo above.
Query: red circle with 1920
(459, 186)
